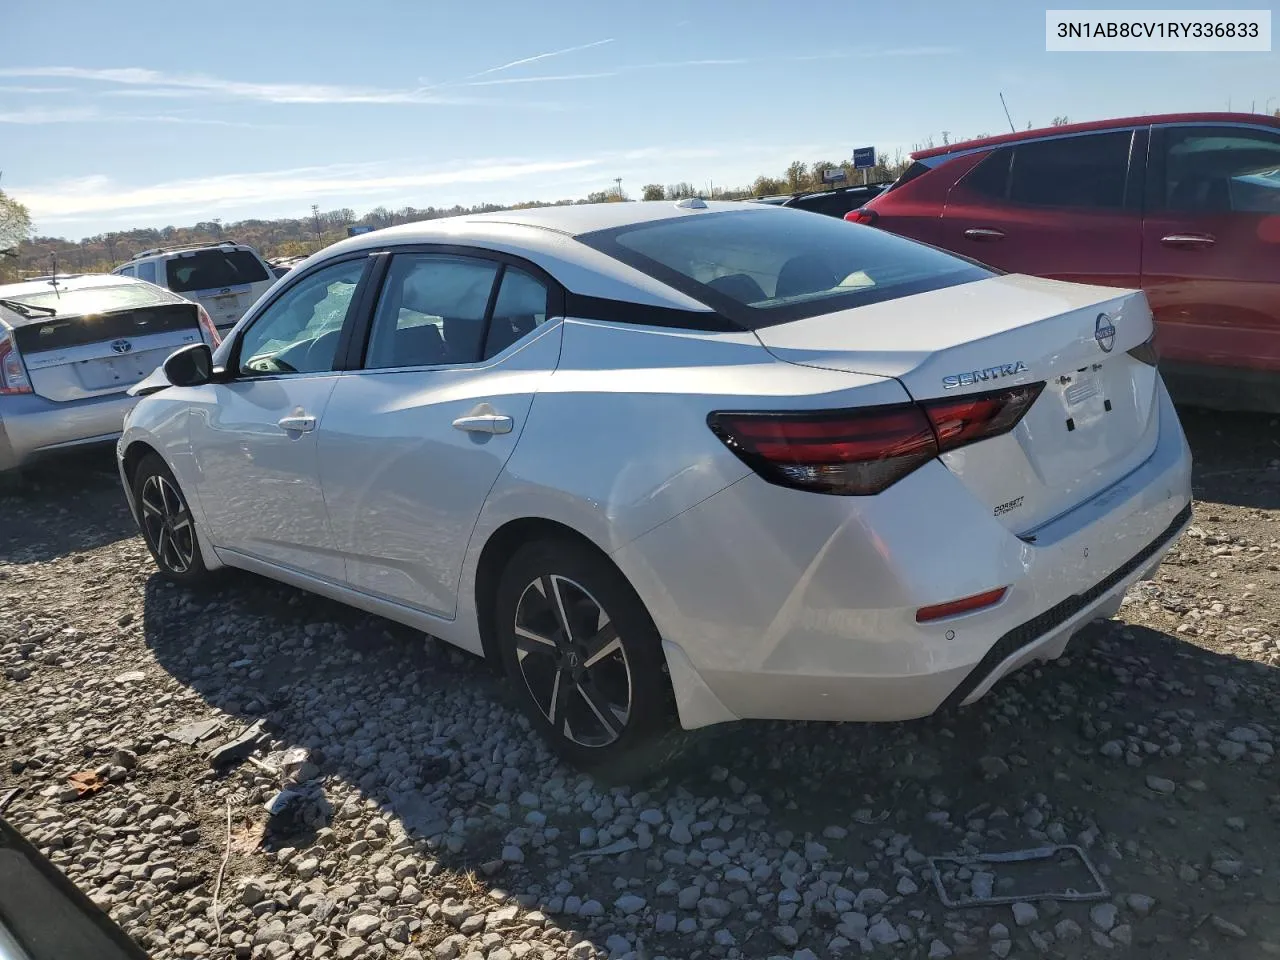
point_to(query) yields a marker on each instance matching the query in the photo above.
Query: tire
(603, 700)
(166, 522)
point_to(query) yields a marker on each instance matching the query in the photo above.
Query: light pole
(1266, 107)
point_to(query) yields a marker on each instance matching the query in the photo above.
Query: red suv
(1185, 206)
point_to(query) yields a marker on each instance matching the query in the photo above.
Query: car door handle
(485, 423)
(297, 424)
(984, 234)
(1192, 240)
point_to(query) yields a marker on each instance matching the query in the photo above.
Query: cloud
(98, 196)
(541, 56)
(715, 62)
(42, 115)
(30, 90)
(162, 84)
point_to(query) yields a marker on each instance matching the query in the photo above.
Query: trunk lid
(77, 357)
(1094, 421)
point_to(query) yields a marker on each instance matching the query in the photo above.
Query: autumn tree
(797, 176)
(15, 227)
(653, 191)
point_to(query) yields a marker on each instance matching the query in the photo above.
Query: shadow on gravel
(1064, 752)
(63, 505)
(1237, 457)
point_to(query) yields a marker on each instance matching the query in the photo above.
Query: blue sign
(864, 158)
(356, 231)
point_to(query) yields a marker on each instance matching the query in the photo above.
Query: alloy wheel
(166, 522)
(573, 661)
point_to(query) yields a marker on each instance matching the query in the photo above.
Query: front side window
(1221, 170)
(771, 265)
(1087, 172)
(298, 332)
(431, 311)
(213, 269)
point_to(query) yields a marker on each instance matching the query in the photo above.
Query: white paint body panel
(771, 602)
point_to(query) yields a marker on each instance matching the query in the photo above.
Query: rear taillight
(862, 215)
(863, 451)
(206, 324)
(13, 372)
(1146, 352)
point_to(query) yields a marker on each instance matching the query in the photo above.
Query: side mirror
(190, 367)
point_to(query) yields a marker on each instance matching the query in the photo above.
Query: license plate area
(108, 372)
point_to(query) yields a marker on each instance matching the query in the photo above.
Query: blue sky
(111, 119)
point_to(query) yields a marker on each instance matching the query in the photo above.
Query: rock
(629, 903)
(1227, 928)
(1001, 948)
(938, 950)
(1140, 903)
(652, 816)
(712, 908)
(1103, 916)
(1160, 785)
(665, 923)
(882, 931)
(1232, 750)
(1243, 735)
(592, 908)
(1024, 914)
(269, 931)
(251, 892)
(993, 767)
(680, 833)
(362, 925)
(834, 833)
(907, 886)
(1067, 929)
(1228, 868)
(512, 854)
(786, 935)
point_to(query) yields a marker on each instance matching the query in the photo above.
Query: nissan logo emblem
(121, 346)
(1104, 333)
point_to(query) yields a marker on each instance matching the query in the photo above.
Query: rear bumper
(32, 427)
(785, 605)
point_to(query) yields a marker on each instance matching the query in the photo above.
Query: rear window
(210, 269)
(772, 265)
(83, 301)
(57, 333)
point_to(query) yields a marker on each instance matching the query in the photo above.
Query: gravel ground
(425, 820)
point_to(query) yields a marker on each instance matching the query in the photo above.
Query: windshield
(211, 269)
(771, 265)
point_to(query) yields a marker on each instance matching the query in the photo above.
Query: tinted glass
(88, 300)
(431, 311)
(1221, 170)
(211, 269)
(147, 271)
(521, 306)
(299, 332)
(1083, 172)
(57, 333)
(127, 271)
(990, 178)
(769, 265)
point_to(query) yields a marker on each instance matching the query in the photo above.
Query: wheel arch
(497, 550)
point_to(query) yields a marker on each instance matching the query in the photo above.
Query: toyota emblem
(1104, 332)
(121, 346)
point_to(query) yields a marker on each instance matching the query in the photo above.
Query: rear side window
(211, 269)
(916, 169)
(1221, 170)
(770, 265)
(431, 311)
(1073, 172)
(147, 271)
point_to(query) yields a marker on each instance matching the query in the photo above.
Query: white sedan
(673, 464)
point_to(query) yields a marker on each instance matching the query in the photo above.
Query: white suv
(225, 278)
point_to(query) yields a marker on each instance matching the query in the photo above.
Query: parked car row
(1183, 206)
